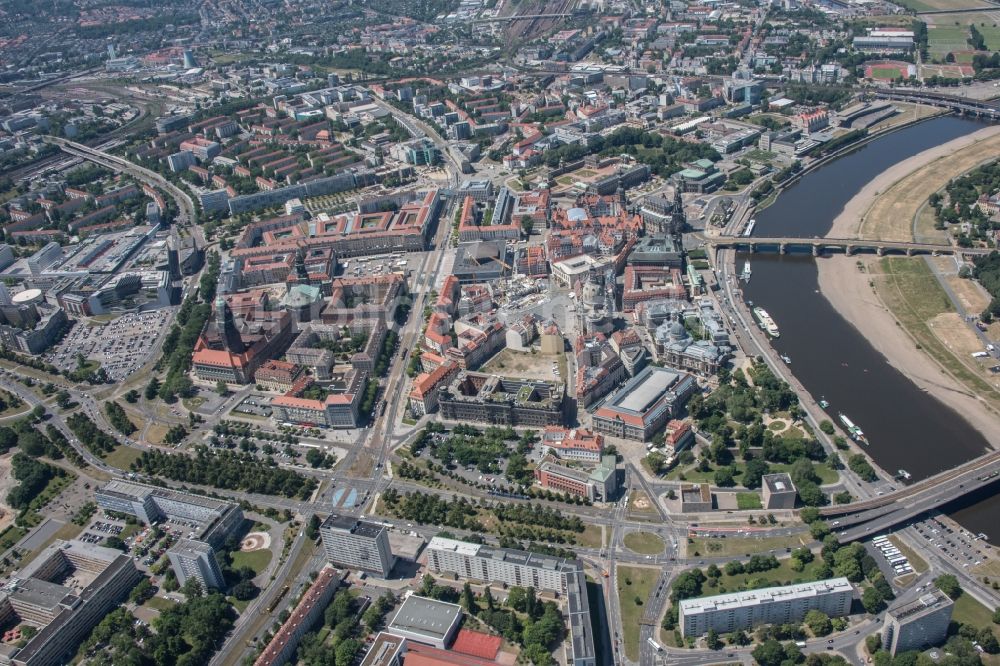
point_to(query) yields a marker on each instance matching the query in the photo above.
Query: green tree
(818, 622)
(948, 584)
(769, 653)
(221, 387)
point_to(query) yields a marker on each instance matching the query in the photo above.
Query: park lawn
(782, 575)
(256, 560)
(592, 536)
(735, 546)
(160, 603)
(748, 501)
(826, 474)
(11, 536)
(123, 457)
(644, 543)
(969, 611)
(156, 433)
(634, 585)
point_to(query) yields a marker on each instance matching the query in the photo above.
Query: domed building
(677, 349)
(596, 305)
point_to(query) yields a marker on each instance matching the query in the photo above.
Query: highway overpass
(858, 519)
(116, 163)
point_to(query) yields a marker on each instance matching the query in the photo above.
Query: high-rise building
(173, 259)
(517, 567)
(212, 522)
(189, 61)
(917, 624)
(726, 613)
(195, 559)
(357, 544)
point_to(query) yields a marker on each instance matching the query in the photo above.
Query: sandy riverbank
(846, 224)
(847, 289)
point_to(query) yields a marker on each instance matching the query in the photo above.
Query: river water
(907, 428)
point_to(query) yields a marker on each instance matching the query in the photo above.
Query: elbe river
(906, 427)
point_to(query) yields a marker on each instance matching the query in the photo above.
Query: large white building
(357, 544)
(726, 613)
(517, 567)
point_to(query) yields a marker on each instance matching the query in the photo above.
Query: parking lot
(961, 546)
(121, 346)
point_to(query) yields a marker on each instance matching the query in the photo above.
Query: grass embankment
(918, 302)
(738, 546)
(891, 216)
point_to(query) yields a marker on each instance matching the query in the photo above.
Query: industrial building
(917, 624)
(357, 544)
(726, 613)
(470, 561)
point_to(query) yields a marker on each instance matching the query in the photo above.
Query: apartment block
(726, 613)
(470, 561)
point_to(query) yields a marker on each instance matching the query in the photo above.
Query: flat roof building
(470, 561)
(917, 624)
(209, 521)
(778, 491)
(357, 544)
(427, 621)
(644, 404)
(726, 613)
(307, 612)
(63, 593)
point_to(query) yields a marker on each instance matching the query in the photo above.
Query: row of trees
(95, 439)
(118, 418)
(179, 342)
(228, 470)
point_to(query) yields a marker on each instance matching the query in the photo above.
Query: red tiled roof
(476, 644)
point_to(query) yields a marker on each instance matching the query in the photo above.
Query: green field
(122, 457)
(736, 546)
(644, 543)
(256, 560)
(887, 72)
(748, 501)
(969, 611)
(943, 39)
(634, 585)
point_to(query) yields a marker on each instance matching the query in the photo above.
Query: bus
(655, 645)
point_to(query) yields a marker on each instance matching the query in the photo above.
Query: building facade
(357, 544)
(726, 613)
(917, 624)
